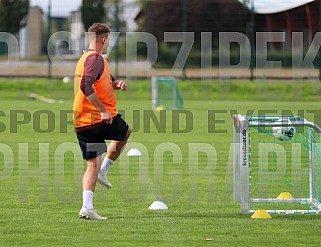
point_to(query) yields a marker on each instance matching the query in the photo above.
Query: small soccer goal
(165, 94)
(277, 166)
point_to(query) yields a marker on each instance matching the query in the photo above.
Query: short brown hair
(99, 29)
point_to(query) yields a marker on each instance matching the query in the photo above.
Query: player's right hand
(106, 117)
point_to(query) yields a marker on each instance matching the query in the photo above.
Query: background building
(31, 36)
(287, 16)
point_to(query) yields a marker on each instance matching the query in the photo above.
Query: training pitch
(186, 162)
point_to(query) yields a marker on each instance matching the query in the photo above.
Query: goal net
(165, 94)
(277, 164)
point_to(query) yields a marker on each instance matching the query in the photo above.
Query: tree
(13, 15)
(92, 11)
(214, 16)
(111, 19)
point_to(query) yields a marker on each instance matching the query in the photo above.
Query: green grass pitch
(191, 172)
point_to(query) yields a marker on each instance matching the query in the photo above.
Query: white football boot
(104, 181)
(90, 214)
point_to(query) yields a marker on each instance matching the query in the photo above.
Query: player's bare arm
(104, 113)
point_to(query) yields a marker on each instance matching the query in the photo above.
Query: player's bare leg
(116, 147)
(90, 175)
(89, 182)
(114, 150)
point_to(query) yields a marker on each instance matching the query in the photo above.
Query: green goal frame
(244, 183)
(165, 94)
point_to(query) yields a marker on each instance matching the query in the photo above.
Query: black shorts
(92, 141)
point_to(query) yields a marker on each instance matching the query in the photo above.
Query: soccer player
(95, 116)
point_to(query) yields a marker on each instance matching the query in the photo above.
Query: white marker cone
(158, 205)
(134, 152)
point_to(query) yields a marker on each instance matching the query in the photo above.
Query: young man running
(95, 116)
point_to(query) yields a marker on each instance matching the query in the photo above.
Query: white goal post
(264, 167)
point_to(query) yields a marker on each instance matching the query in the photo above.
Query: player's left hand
(121, 85)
